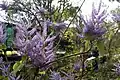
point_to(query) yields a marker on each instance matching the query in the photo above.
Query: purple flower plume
(5, 69)
(39, 47)
(93, 25)
(2, 33)
(4, 6)
(116, 17)
(56, 76)
(117, 68)
(20, 39)
(77, 66)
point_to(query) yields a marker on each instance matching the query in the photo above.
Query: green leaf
(24, 58)
(42, 72)
(100, 46)
(117, 79)
(2, 46)
(3, 78)
(87, 44)
(17, 66)
(111, 33)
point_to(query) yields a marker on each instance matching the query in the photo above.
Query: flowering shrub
(93, 27)
(49, 48)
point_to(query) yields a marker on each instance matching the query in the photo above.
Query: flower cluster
(93, 26)
(116, 17)
(21, 38)
(77, 66)
(117, 68)
(38, 46)
(4, 6)
(2, 33)
(5, 69)
(57, 76)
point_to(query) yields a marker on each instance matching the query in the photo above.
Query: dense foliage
(42, 46)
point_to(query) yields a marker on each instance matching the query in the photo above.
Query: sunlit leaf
(42, 72)
(100, 45)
